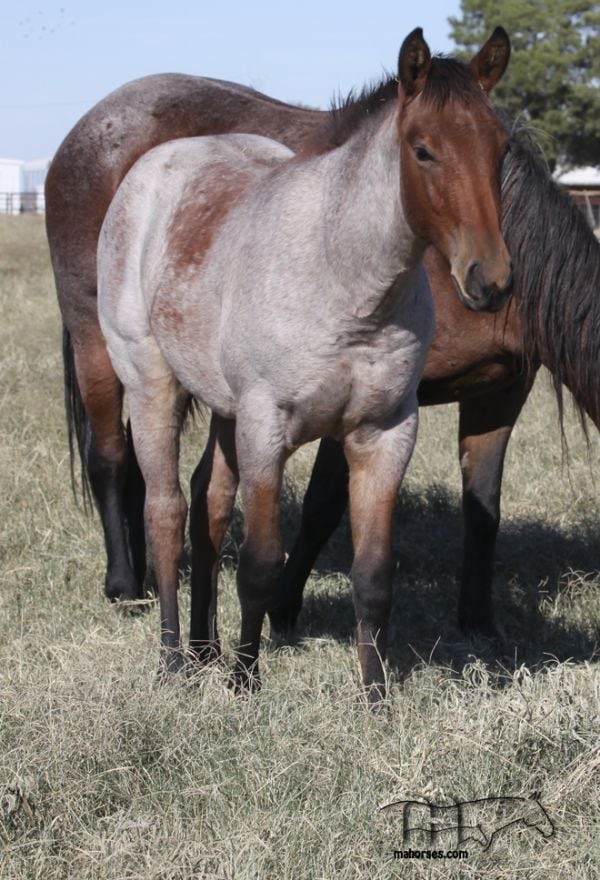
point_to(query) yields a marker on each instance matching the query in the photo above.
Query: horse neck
(369, 242)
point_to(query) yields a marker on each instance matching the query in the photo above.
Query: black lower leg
(107, 479)
(134, 494)
(372, 593)
(324, 504)
(258, 582)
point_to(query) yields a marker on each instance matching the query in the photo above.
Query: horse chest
(329, 376)
(382, 376)
(363, 383)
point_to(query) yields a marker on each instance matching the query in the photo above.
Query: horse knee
(259, 572)
(165, 514)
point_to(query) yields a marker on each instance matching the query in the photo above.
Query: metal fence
(34, 203)
(22, 203)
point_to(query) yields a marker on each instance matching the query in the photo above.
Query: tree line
(553, 79)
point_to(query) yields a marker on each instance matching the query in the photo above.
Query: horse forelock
(556, 262)
(451, 80)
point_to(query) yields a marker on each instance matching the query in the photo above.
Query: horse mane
(556, 264)
(347, 114)
(448, 78)
(556, 256)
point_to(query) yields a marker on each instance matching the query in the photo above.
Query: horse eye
(423, 155)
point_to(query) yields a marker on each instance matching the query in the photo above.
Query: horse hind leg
(134, 496)
(213, 489)
(156, 412)
(107, 463)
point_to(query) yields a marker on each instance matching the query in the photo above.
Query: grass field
(105, 774)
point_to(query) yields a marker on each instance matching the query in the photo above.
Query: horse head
(451, 150)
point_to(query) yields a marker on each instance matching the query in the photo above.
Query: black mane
(448, 78)
(555, 254)
(348, 114)
(556, 264)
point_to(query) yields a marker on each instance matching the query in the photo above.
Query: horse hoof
(244, 681)
(377, 699)
(483, 626)
(205, 654)
(118, 589)
(171, 666)
(283, 625)
(134, 607)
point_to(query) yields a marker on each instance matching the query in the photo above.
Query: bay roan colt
(289, 296)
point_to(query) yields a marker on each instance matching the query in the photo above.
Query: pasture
(106, 774)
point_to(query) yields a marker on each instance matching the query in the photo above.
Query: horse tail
(78, 426)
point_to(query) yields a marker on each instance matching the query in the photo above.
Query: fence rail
(22, 203)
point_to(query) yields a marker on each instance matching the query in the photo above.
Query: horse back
(98, 152)
(154, 242)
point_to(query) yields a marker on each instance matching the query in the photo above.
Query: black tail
(78, 426)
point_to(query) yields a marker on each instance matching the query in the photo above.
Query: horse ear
(414, 62)
(490, 62)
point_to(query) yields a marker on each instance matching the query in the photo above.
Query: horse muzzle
(481, 295)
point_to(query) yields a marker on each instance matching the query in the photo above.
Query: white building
(22, 185)
(583, 185)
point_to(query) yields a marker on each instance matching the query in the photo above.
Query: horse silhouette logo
(477, 820)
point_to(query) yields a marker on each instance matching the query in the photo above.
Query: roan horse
(476, 359)
(289, 297)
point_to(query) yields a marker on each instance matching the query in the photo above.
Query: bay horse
(288, 295)
(487, 363)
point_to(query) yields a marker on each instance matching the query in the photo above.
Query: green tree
(553, 77)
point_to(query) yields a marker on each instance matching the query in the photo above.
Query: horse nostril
(474, 280)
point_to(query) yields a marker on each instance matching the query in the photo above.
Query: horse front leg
(156, 412)
(485, 427)
(261, 457)
(324, 504)
(213, 488)
(377, 459)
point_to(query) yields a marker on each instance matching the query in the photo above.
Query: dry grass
(104, 774)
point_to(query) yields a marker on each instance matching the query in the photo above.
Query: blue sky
(59, 59)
